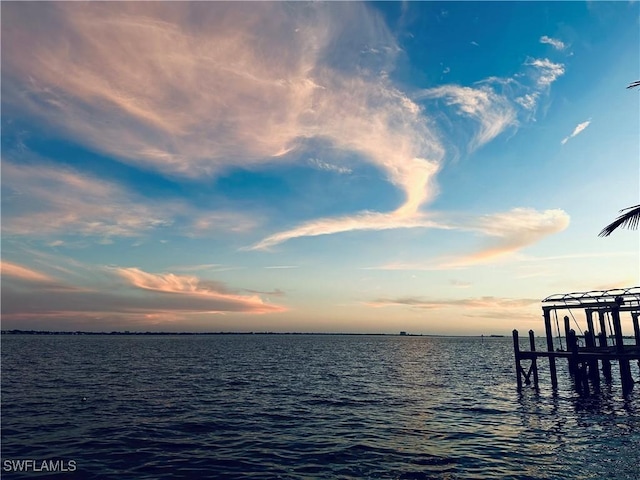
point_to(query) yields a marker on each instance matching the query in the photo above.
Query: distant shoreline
(129, 333)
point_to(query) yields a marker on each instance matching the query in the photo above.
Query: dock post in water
(516, 351)
(567, 329)
(636, 327)
(592, 333)
(552, 359)
(533, 367)
(534, 362)
(625, 370)
(636, 330)
(593, 373)
(572, 347)
(602, 342)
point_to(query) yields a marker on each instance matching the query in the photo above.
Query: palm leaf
(629, 219)
(634, 84)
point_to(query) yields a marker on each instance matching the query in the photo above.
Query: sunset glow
(431, 167)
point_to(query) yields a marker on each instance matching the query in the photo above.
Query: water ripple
(303, 407)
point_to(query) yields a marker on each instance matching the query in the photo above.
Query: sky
(430, 167)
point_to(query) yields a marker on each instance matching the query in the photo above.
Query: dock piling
(516, 351)
(625, 370)
(594, 375)
(552, 359)
(534, 362)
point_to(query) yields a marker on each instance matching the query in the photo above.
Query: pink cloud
(23, 273)
(194, 289)
(28, 295)
(503, 234)
(509, 232)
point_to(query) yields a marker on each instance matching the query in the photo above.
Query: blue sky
(434, 167)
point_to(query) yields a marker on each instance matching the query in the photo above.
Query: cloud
(493, 112)
(572, 256)
(496, 103)
(478, 302)
(189, 288)
(528, 100)
(547, 71)
(31, 295)
(24, 273)
(329, 167)
(508, 232)
(576, 131)
(204, 224)
(555, 43)
(362, 221)
(193, 89)
(503, 234)
(41, 199)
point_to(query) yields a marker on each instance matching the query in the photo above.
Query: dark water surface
(304, 407)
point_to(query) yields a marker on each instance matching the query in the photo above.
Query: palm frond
(629, 219)
(634, 84)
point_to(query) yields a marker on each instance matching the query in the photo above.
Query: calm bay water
(304, 407)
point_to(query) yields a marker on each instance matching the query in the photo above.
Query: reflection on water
(305, 406)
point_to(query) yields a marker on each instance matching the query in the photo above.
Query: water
(304, 407)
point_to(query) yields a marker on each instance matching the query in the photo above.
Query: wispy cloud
(509, 232)
(140, 296)
(9, 269)
(329, 167)
(478, 302)
(203, 224)
(41, 199)
(498, 103)
(554, 42)
(363, 221)
(521, 309)
(503, 235)
(547, 71)
(493, 112)
(210, 296)
(576, 131)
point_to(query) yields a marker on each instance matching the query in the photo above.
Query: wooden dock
(587, 353)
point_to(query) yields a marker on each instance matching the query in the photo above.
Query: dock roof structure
(627, 299)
